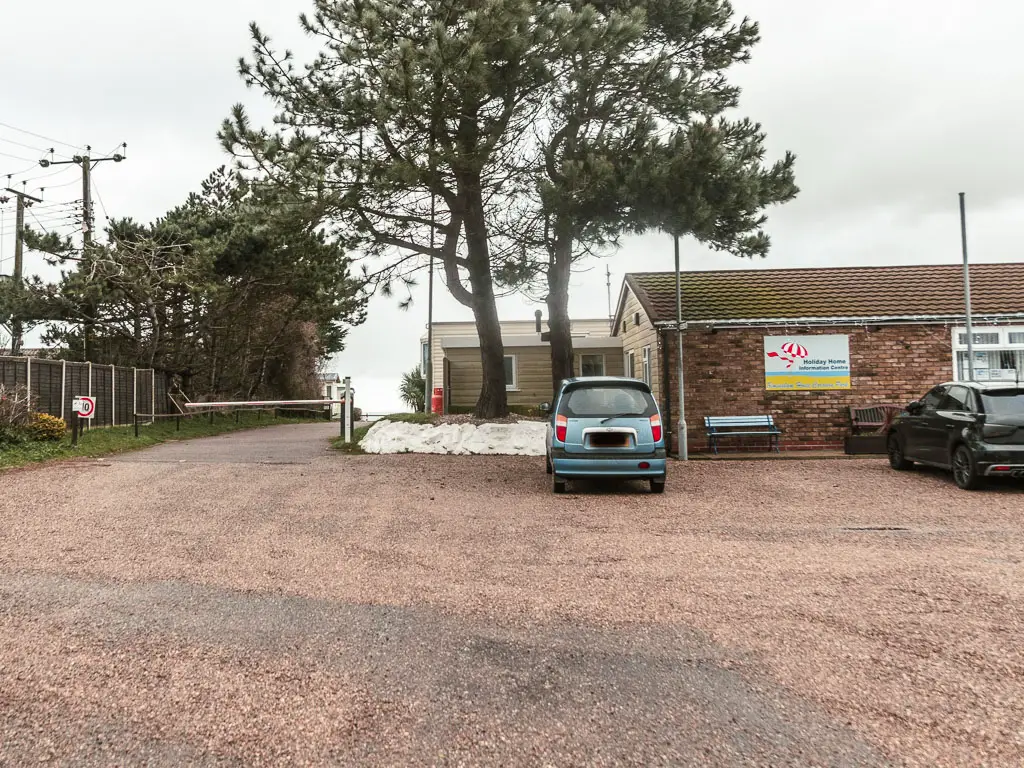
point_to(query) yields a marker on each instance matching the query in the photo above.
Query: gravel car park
(228, 601)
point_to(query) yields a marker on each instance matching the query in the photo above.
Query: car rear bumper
(1001, 461)
(609, 465)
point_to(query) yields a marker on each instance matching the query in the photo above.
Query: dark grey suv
(974, 429)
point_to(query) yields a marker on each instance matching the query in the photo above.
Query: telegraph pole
(87, 162)
(17, 328)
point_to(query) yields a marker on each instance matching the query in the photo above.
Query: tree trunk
(493, 402)
(559, 267)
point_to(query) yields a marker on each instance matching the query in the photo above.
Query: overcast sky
(891, 107)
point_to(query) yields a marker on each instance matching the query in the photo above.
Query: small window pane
(592, 365)
(510, 372)
(981, 338)
(1017, 337)
(647, 365)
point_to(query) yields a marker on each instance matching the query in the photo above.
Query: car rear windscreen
(602, 400)
(1004, 402)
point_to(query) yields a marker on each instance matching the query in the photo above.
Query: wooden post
(74, 429)
(63, 385)
(136, 419)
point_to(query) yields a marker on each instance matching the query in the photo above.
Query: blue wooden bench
(741, 426)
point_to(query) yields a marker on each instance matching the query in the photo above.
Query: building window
(636, 319)
(647, 366)
(998, 354)
(425, 358)
(630, 364)
(591, 365)
(511, 373)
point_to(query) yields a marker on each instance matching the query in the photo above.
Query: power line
(42, 150)
(16, 157)
(19, 173)
(38, 136)
(100, 198)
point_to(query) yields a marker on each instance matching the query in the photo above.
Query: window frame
(629, 363)
(1003, 346)
(647, 366)
(604, 363)
(512, 386)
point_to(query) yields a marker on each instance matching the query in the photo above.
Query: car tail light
(1001, 469)
(656, 427)
(561, 428)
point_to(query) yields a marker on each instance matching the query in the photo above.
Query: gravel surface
(254, 599)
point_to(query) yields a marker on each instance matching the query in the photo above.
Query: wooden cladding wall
(533, 383)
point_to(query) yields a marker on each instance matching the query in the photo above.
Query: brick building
(885, 335)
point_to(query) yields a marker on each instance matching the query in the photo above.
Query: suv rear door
(611, 404)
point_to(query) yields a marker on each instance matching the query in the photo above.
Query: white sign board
(85, 407)
(807, 362)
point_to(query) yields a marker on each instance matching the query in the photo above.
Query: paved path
(285, 444)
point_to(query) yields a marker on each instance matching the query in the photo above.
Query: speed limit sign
(85, 407)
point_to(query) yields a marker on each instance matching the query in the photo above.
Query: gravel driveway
(255, 599)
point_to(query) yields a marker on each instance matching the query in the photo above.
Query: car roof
(986, 385)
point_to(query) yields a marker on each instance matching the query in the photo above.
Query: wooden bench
(872, 417)
(740, 426)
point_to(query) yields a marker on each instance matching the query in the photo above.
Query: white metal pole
(113, 395)
(683, 450)
(152, 392)
(135, 391)
(967, 290)
(348, 410)
(63, 385)
(28, 378)
(88, 422)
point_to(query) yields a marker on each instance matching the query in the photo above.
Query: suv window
(958, 399)
(600, 400)
(934, 399)
(1004, 402)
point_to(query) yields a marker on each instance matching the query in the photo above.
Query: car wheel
(896, 458)
(559, 484)
(965, 472)
(547, 464)
(658, 484)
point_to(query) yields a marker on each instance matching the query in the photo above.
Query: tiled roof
(841, 292)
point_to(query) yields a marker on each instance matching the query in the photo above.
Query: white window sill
(512, 389)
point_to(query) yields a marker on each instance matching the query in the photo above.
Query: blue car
(605, 426)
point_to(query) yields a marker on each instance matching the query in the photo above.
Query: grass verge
(104, 442)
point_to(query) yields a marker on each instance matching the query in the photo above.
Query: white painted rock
(525, 438)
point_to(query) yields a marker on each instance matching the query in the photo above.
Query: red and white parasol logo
(791, 352)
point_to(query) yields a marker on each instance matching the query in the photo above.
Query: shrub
(12, 435)
(15, 407)
(43, 426)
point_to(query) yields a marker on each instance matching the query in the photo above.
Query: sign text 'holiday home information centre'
(807, 362)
